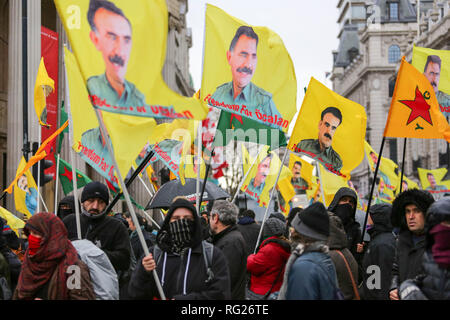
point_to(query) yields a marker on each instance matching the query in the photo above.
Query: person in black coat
(226, 236)
(150, 238)
(249, 230)
(434, 281)
(409, 215)
(180, 263)
(380, 252)
(66, 206)
(107, 233)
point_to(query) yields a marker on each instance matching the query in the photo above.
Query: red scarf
(441, 246)
(50, 261)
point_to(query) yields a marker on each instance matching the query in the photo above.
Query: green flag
(232, 126)
(62, 119)
(65, 176)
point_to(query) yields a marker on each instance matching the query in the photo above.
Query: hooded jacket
(434, 282)
(250, 231)
(380, 252)
(408, 256)
(70, 201)
(337, 241)
(351, 227)
(182, 276)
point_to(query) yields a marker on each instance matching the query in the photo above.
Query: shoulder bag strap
(355, 289)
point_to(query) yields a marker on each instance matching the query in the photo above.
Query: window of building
(394, 53)
(393, 11)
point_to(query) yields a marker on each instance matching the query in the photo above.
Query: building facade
(43, 13)
(365, 67)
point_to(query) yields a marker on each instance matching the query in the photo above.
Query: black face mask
(344, 212)
(64, 213)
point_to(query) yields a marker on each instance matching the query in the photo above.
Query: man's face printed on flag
(327, 128)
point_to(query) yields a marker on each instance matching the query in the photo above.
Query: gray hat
(274, 227)
(313, 222)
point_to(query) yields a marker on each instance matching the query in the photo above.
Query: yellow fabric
(287, 192)
(43, 87)
(331, 183)
(419, 58)
(307, 168)
(20, 195)
(438, 174)
(274, 71)
(411, 184)
(13, 222)
(149, 25)
(348, 139)
(422, 118)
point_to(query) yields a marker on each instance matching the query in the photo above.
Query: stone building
(43, 13)
(365, 68)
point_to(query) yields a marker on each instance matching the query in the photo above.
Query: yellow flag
(407, 184)
(414, 111)
(304, 173)
(120, 47)
(330, 129)
(254, 183)
(25, 191)
(13, 222)
(247, 71)
(441, 78)
(287, 191)
(188, 168)
(43, 87)
(431, 181)
(331, 183)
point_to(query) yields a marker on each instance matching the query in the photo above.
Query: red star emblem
(238, 118)
(67, 174)
(419, 108)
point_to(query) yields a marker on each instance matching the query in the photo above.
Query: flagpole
(72, 158)
(372, 188)
(245, 175)
(56, 184)
(321, 183)
(403, 164)
(39, 173)
(45, 207)
(271, 196)
(199, 151)
(104, 132)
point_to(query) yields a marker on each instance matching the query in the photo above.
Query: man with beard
(242, 59)
(434, 188)
(258, 183)
(432, 72)
(179, 258)
(330, 120)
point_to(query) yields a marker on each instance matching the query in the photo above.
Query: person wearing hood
(434, 281)
(149, 237)
(49, 262)
(107, 233)
(380, 252)
(266, 267)
(249, 230)
(179, 259)
(344, 262)
(409, 215)
(66, 206)
(344, 205)
(226, 236)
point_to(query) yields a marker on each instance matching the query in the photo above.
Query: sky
(308, 29)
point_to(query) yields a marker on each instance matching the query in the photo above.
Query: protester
(310, 274)
(48, 263)
(180, 264)
(14, 264)
(150, 238)
(249, 230)
(205, 224)
(380, 252)
(434, 281)
(66, 206)
(266, 267)
(291, 215)
(344, 206)
(226, 236)
(409, 214)
(344, 262)
(5, 276)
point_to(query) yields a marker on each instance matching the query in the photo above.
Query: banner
(431, 181)
(25, 191)
(435, 65)
(120, 48)
(301, 174)
(12, 221)
(406, 184)
(247, 71)
(66, 177)
(331, 183)
(330, 129)
(414, 111)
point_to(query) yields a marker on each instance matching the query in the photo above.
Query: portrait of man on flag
(258, 182)
(31, 194)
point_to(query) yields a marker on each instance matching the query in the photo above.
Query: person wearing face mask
(433, 283)
(107, 233)
(65, 207)
(180, 259)
(45, 270)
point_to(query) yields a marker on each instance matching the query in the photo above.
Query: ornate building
(43, 13)
(365, 67)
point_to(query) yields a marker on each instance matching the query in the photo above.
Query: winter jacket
(250, 231)
(266, 267)
(311, 277)
(182, 276)
(149, 238)
(337, 241)
(231, 242)
(107, 233)
(380, 252)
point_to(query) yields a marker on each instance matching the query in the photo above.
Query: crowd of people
(315, 253)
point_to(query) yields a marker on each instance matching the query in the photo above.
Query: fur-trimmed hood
(438, 212)
(421, 198)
